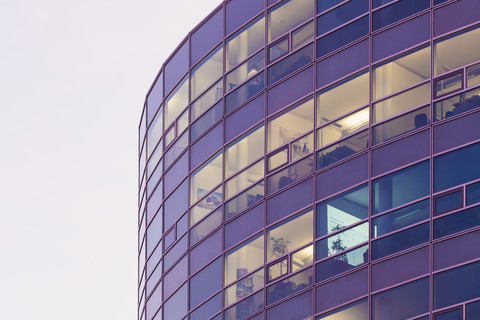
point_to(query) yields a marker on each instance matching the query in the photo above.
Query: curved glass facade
(314, 159)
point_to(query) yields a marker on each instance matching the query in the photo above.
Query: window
(244, 259)
(206, 178)
(206, 72)
(342, 241)
(244, 150)
(244, 179)
(245, 71)
(244, 287)
(448, 202)
(287, 15)
(208, 99)
(341, 15)
(358, 310)
(397, 11)
(176, 102)
(457, 104)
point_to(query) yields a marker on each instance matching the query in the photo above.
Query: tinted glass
(456, 222)
(341, 15)
(245, 308)
(341, 263)
(342, 241)
(206, 121)
(450, 315)
(397, 11)
(473, 193)
(244, 92)
(205, 283)
(290, 285)
(448, 202)
(208, 309)
(358, 310)
(290, 64)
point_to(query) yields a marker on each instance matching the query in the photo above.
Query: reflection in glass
(175, 253)
(243, 259)
(301, 258)
(342, 98)
(244, 287)
(341, 263)
(400, 218)
(353, 311)
(206, 178)
(400, 125)
(473, 75)
(209, 98)
(245, 179)
(342, 211)
(277, 269)
(448, 202)
(342, 127)
(289, 286)
(244, 150)
(287, 15)
(176, 306)
(473, 193)
(245, 71)
(449, 84)
(343, 241)
(206, 72)
(201, 230)
(245, 308)
(176, 149)
(176, 102)
(290, 124)
(457, 104)
(245, 92)
(245, 42)
(289, 175)
(302, 35)
(244, 200)
(207, 205)
(301, 147)
(342, 150)
(290, 64)
(278, 49)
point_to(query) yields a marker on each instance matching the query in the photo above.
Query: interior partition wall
(314, 159)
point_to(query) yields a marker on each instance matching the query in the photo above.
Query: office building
(315, 159)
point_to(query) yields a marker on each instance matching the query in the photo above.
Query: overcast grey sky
(73, 78)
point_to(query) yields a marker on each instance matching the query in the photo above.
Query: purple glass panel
(176, 67)
(154, 98)
(240, 11)
(205, 283)
(205, 251)
(206, 37)
(245, 225)
(401, 37)
(405, 267)
(468, 10)
(456, 250)
(297, 308)
(176, 205)
(342, 176)
(290, 64)
(341, 290)
(175, 253)
(175, 277)
(208, 309)
(206, 146)
(343, 63)
(289, 286)
(397, 11)
(244, 118)
(456, 132)
(176, 174)
(290, 201)
(400, 153)
(154, 233)
(154, 203)
(245, 92)
(176, 307)
(290, 90)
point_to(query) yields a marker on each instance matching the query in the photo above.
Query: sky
(73, 79)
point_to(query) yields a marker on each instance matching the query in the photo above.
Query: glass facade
(314, 159)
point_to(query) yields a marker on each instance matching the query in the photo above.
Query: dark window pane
(290, 175)
(473, 311)
(397, 11)
(450, 315)
(457, 104)
(290, 64)
(205, 283)
(341, 15)
(401, 187)
(244, 200)
(245, 308)
(175, 277)
(456, 167)
(175, 174)
(342, 150)
(244, 92)
(244, 118)
(175, 252)
(206, 146)
(206, 121)
(401, 218)
(343, 36)
(448, 202)
(154, 98)
(402, 302)
(323, 5)
(456, 285)
(473, 193)
(289, 286)
(202, 229)
(208, 309)
(341, 263)
(359, 310)
(401, 241)
(342, 210)
(456, 222)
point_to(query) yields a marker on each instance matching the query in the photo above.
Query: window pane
(301, 147)
(323, 5)
(208, 309)
(472, 310)
(205, 283)
(353, 311)
(155, 132)
(289, 175)
(287, 15)
(400, 241)
(342, 150)
(176, 149)
(401, 187)
(447, 55)
(340, 15)
(473, 193)
(449, 84)
(290, 64)
(277, 269)
(448, 202)
(342, 241)
(342, 127)
(245, 71)
(291, 124)
(205, 227)
(450, 315)
(341, 263)
(302, 35)
(243, 259)
(397, 11)
(245, 179)
(456, 222)
(301, 258)
(284, 237)
(208, 99)
(245, 42)
(206, 72)
(290, 285)
(402, 302)
(278, 49)
(456, 167)
(244, 287)
(245, 308)
(176, 307)
(244, 200)
(457, 104)
(176, 102)
(169, 136)
(342, 211)
(342, 98)
(206, 178)
(244, 150)
(245, 92)
(207, 205)
(473, 75)
(401, 73)
(403, 124)
(400, 218)
(278, 159)
(206, 121)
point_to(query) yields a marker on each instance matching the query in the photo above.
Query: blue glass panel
(401, 187)
(456, 285)
(401, 241)
(397, 11)
(323, 5)
(245, 92)
(378, 3)
(290, 64)
(473, 193)
(206, 121)
(341, 15)
(456, 222)
(176, 307)
(402, 302)
(401, 218)
(205, 283)
(435, 2)
(208, 309)
(154, 98)
(472, 311)
(341, 263)
(448, 202)
(342, 36)
(206, 37)
(245, 308)
(289, 286)
(456, 167)
(450, 315)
